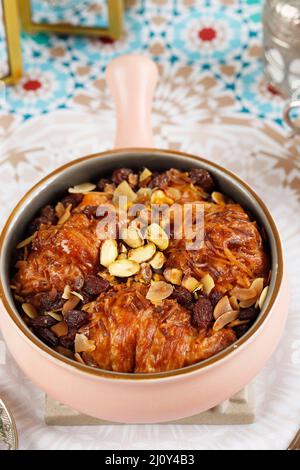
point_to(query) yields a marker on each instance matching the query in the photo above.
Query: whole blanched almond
(158, 260)
(83, 344)
(142, 254)
(109, 252)
(124, 268)
(173, 275)
(132, 237)
(190, 283)
(158, 291)
(208, 283)
(224, 319)
(222, 307)
(158, 236)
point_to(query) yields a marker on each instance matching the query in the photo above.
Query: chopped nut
(173, 275)
(66, 215)
(224, 319)
(145, 174)
(60, 329)
(122, 248)
(83, 344)
(78, 358)
(158, 236)
(190, 283)
(159, 291)
(124, 268)
(30, 310)
(158, 260)
(55, 315)
(132, 237)
(133, 179)
(146, 272)
(83, 188)
(27, 241)
(262, 297)
(218, 198)
(108, 253)
(124, 190)
(143, 253)
(159, 197)
(222, 307)
(208, 283)
(70, 304)
(173, 193)
(67, 293)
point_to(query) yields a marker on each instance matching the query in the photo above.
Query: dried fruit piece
(202, 178)
(124, 268)
(76, 318)
(208, 283)
(70, 304)
(95, 285)
(222, 307)
(158, 236)
(47, 336)
(102, 183)
(83, 344)
(73, 199)
(109, 252)
(158, 291)
(121, 174)
(158, 260)
(159, 197)
(183, 296)
(159, 180)
(190, 283)
(143, 253)
(43, 321)
(27, 241)
(133, 180)
(145, 174)
(132, 237)
(224, 319)
(60, 329)
(202, 312)
(30, 310)
(215, 296)
(218, 198)
(83, 188)
(249, 313)
(173, 275)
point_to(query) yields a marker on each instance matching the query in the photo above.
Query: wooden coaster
(240, 409)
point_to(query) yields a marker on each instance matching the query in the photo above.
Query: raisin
(121, 174)
(68, 340)
(73, 199)
(202, 178)
(159, 180)
(250, 313)
(76, 318)
(90, 211)
(215, 296)
(240, 330)
(47, 336)
(183, 296)
(43, 321)
(202, 313)
(95, 285)
(78, 283)
(47, 301)
(48, 213)
(102, 184)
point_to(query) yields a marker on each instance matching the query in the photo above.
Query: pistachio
(218, 198)
(159, 197)
(30, 310)
(124, 268)
(109, 252)
(83, 344)
(208, 283)
(27, 241)
(158, 291)
(224, 319)
(132, 237)
(222, 307)
(143, 253)
(145, 174)
(83, 188)
(190, 283)
(158, 260)
(158, 236)
(124, 190)
(173, 275)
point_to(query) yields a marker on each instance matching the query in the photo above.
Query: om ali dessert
(134, 297)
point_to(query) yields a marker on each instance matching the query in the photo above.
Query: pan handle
(132, 80)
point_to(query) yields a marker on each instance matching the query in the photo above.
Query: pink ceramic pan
(141, 398)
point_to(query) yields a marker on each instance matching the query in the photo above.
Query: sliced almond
(258, 285)
(222, 307)
(59, 210)
(243, 294)
(70, 304)
(27, 241)
(234, 302)
(124, 268)
(173, 275)
(132, 237)
(190, 283)
(142, 254)
(158, 277)
(237, 322)
(77, 295)
(124, 190)
(247, 303)
(122, 256)
(30, 310)
(122, 248)
(218, 198)
(60, 329)
(224, 319)
(78, 358)
(133, 179)
(109, 252)
(55, 315)
(262, 297)
(66, 215)
(158, 260)
(159, 291)
(18, 298)
(83, 188)
(145, 174)
(158, 236)
(208, 283)
(67, 293)
(83, 344)
(159, 197)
